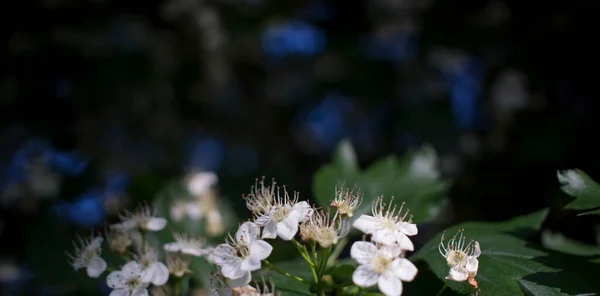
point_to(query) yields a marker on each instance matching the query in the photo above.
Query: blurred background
(103, 103)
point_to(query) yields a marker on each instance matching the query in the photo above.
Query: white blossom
(153, 271)
(223, 286)
(187, 245)
(142, 219)
(87, 254)
(283, 217)
(571, 180)
(321, 228)
(201, 182)
(346, 201)
(127, 281)
(381, 265)
(242, 255)
(387, 226)
(261, 198)
(461, 258)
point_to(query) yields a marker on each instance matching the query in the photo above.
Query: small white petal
(233, 271)
(303, 211)
(458, 275)
(389, 285)
(287, 228)
(96, 243)
(161, 274)
(404, 269)
(96, 267)
(477, 250)
(172, 247)
(224, 254)
(409, 228)
(131, 268)
(260, 250)
(120, 292)
(384, 236)
(156, 224)
(242, 281)
(366, 224)
(250, 264)
(140, 292)
(262, 220)
(270, 230)
(363, 252)
(472, 265)
(247, 233)
(177, 211)
(404, 242)
(116, 280)
(194, 211)
(364, 276)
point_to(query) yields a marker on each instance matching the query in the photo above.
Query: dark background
(504, 90)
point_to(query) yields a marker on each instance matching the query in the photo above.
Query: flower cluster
(382, 260)
(143, 266)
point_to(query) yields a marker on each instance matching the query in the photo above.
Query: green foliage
(284, 284)
(507, 256)
(559, 242)
(413, 179)
(586, 191)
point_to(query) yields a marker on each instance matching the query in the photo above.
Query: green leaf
(586, 191)
(507, 258)
(284, 284)
(559, 242)
(413, 179)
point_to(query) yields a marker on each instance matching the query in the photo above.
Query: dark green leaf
(586, 191)
(561, 243)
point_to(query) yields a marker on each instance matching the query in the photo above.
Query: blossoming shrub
(293, 245)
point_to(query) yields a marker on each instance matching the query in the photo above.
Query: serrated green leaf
(413, 179)
(586, 191)
(533, 289)
(504, 257)
(559, 242)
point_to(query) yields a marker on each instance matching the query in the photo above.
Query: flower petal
(131, 269)
(384, 236)
(120, 292)
(156, 224)
(458, 275)
(389, 285)
(287, 228)
(303, 211)
(224, 254)
(96, 243)
(404, 242)
(233, 271)
(363, 252)
(476, 250)
(139, 292)
(172, 247)
(472, 266)
(244, 280)
(404, 269)
(364, 276)
(270, 230)
(366, 224)
(409, 228)
(116, 280)
(262, 220)
(161, 274)
(247, 233)
(96, 267)
(260, 250)
(250, 264)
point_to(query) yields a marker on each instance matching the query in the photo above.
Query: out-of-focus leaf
(533, 289)
(413, 179)
(559, 242)
(506, 258)
(284, 284)
(586, 191)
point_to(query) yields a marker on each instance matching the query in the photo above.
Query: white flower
(223, 286)
(382, 266)
(143, 219)
(461, 258)
(423, 164)
(261, 198)
(178, 266)
(127, 281)
(346, 201)
(323, 230)
(388, 226)
(241, 255)
(571, 180)
(199, 183)
(87, 254)
(187, 246)
(118, 241)
(284, 216)
(190, 208)
(153, 271)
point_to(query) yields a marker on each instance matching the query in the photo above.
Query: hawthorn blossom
(387, 226)
(220, 285)
(87, 254)
(187, 246)
(461, 258)
(142, 219)
(153, 271)
(201, 182)
(381, 265)
(242, 255)
(261, 198)
(321, 228)
(127, 281)
(282, 219)
(346, 201)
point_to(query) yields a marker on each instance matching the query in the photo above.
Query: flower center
(387, 223)
(133, 283)
(89, 255)
(380, 264)
(456, 258)
(242, 251)
(280, 213)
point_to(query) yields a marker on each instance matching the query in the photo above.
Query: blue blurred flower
(87, 210)
(465, 90)
(205, 154)
(295, 37)
(67, 163)
(391, 48)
